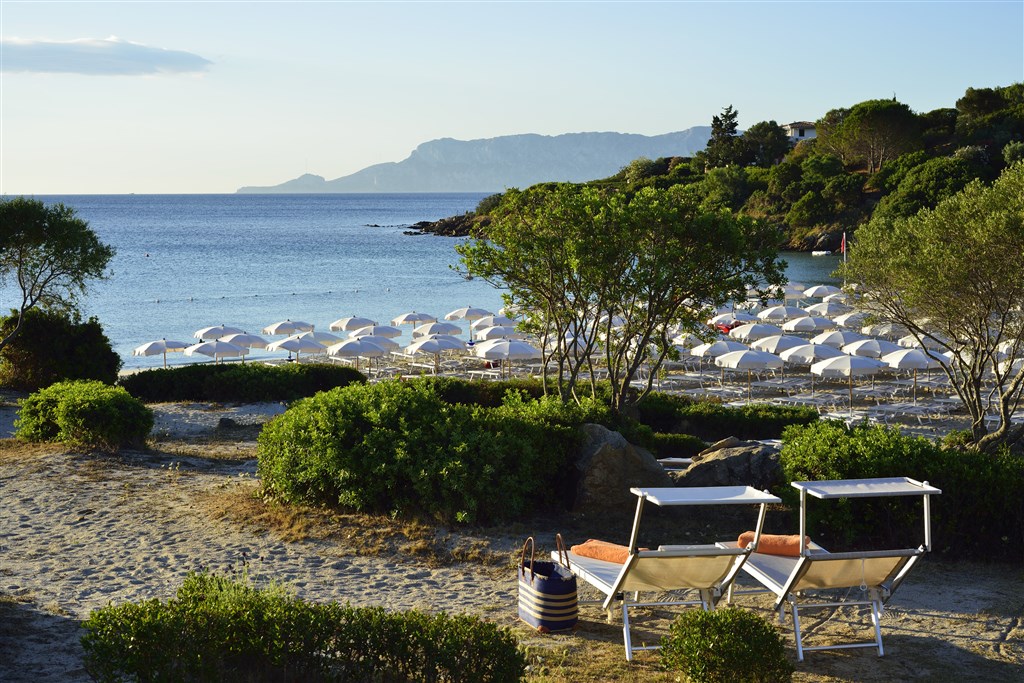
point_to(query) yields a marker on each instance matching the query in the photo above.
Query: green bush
(726, 646)
(677, 445)
(980, 514)
(711, 421)
(51, 347)
(84, 414)
(221, 629)
(238, 383)
(398, 446)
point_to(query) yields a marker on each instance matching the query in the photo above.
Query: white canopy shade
(910, 342)
(840, 297)
(491, 320)
(252, 341)
(506, 349)
(820, 291)
(732, 317)
(717, 348)
(752, 331)
(216, 349)
(808, 323)
(349, 324)
(780, 313)
(808, 354)
(837, 338)
(287, 327)
(158, 347)
(913, 359)
(216, 332)
(872, 348)
(777, 343)
(749, 359)
(376, 331)
(296, 346)
(853, 319)
(849, 367)
(428, 329)
(467, 313)
(829, 309)
(497, 332)
(385, 343)
(884, 330)
(350, 348)
(413, 318)
(322, 337)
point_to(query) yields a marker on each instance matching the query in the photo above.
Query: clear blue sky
(165, 97)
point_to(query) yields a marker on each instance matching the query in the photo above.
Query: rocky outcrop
(454, 226)
(607, 466)
(732, 462)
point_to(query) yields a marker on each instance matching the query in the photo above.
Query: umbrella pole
(915, 386)
(748, 386)
(851, 395)
(165, 359)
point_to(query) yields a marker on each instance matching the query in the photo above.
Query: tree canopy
(954, 276)
(871, 132)
(47, 256)
(597, 271)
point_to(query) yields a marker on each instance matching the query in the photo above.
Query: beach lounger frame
(707, 569)
(878, 573)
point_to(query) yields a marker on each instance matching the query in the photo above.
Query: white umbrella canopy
(216, 332)
(251, 341)
(821, 291)
(828, 309)
(428, 329)
(849, 367)
(385, 343)
(354, 348)
(884, 330)
(491, 320)
(808, 323)
(808, 354)
(324, 338)
(732, 317)
(752, 331)
(376, 331)
(793, 290)
(443, 341)
(467, 313)
(779, 313)
(913, 359)
(686, 341)
(777, 343)
(160, 346)
(838, 297)
(216, 349)
(506, 349)
(749, 360)
(413, 318)
(853, 319)
(837, 338)
(287, 327)
(350, 323)
(716, 348)
(431, 347)
(872, 348)
(910, 342)
(497, 332)
(296, 346)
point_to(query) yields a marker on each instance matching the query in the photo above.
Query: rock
(727, 442)
(607, 466)
(748, 464)
(227, 423)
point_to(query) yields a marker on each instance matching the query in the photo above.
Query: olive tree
(609, 278)
(47, 255)
(954, 277)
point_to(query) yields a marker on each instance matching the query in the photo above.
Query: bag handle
(522, 558)
(563, 554)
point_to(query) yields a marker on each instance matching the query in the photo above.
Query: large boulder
(607, 466)
(732, 462)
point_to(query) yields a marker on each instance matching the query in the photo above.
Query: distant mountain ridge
(494, 164)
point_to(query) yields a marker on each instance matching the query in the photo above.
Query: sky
(206, 97)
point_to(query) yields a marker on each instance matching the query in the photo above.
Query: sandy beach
(80, 531)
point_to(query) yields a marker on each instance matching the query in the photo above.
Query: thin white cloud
(95, 57)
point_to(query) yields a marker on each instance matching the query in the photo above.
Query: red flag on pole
(842, 247)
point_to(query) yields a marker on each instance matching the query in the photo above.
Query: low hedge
(221, 629)
(676, 445)
(399, 446)
(711, 421)
(84, 414)
(979, 515)
(238, 383)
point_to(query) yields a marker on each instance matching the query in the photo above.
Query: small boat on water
(820, 253)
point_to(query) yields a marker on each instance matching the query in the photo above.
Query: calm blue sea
(185, 262)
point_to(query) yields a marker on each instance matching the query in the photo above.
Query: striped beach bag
(547, 591)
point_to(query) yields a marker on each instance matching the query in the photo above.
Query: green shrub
(221, 629)
(979, 515)
(712, 421)
(480, 392)
(398, 446)
(725, 645)
(677, 445)
(238, 383)
(84, 414)
(51, 347)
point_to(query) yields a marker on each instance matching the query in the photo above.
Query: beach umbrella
(216, 349)
(385, 343)
(686, 341)
(872, 348)
(468, 313)
(216, 332)
(324, 338)
(732, 317)
(160, 346)
(780, 313)
(506, 350)
(793, 290)
(434, 347)
(249, 341)
(716, 348)
(777, 343)
(910, 342)
(828, 309)
(821, 291)
(349, 324)
(752, 331)
(296, 346)
(809, 354)
(497, 332)
(356, 347)
(413, 318)
(838, 297)
(808, 323)
(436, 328)
(853, 319)
(912, 359)
(848, 367)
(749, 360)
(287, 327)
(837, 338)
(452, 343)
(491, 320)
(884, 330)
(376, 331)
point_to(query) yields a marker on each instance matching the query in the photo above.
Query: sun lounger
(877, 573)
(706, 569)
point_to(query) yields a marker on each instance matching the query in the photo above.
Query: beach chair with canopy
(706, 569)
(878, 573)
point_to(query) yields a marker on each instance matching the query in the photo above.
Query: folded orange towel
(774, 544)
(602, 550)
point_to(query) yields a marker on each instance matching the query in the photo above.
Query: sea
(185, 262)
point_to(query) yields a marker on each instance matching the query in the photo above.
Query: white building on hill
(799, 130)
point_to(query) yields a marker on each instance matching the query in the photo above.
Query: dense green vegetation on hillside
(874, 157)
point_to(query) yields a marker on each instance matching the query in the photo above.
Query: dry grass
(13, 450)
